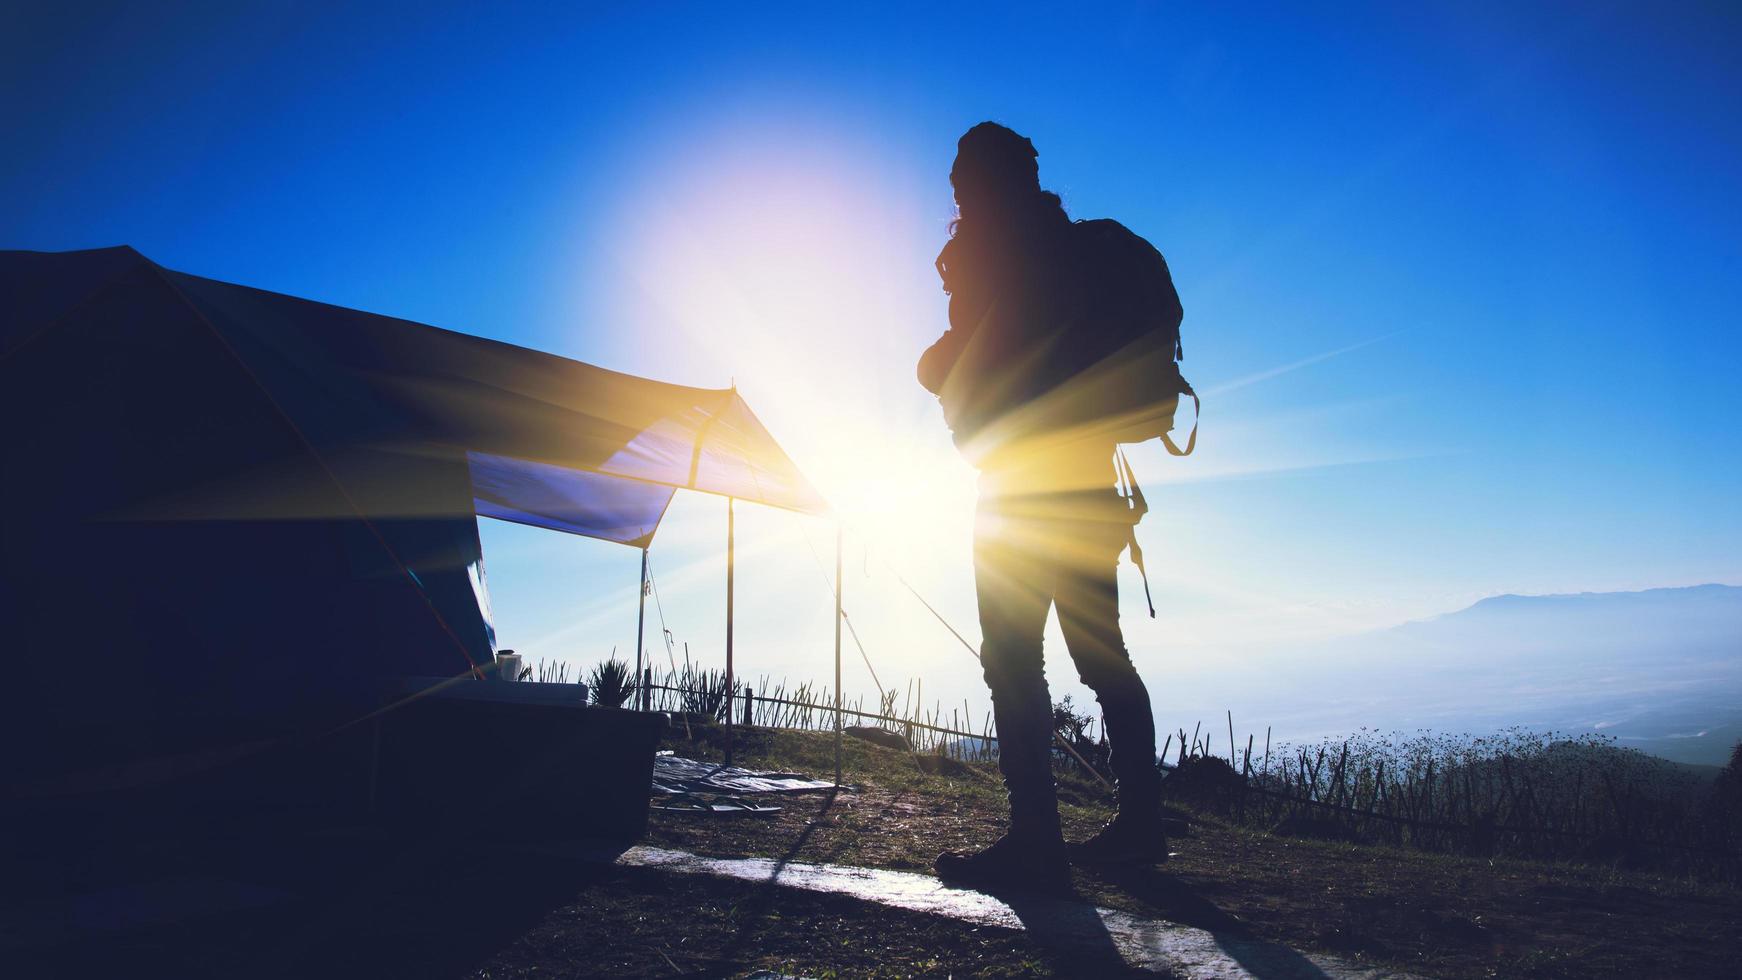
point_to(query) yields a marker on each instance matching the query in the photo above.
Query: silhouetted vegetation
(1723, 805)
(701, 697)
(1078, 731)
(611, 684)
(556, 672)
(1519, 793)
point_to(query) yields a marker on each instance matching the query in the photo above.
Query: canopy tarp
(611, 508)
(370, 392)
(360, 379)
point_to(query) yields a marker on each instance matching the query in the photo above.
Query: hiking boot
(1011, 864)
(1124, 840)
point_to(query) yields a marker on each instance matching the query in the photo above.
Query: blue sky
(1460, 284)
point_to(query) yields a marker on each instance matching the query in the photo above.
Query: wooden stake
(838, 620)
(731, 557)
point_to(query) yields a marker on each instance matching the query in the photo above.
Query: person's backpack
(1125, 345)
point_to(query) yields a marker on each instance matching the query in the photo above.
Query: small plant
(1075, 730)
(612, 684)
(704, 693)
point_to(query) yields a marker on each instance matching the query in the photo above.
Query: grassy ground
(377, 902)
(1433, 914)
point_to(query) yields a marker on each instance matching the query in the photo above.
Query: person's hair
(1003, 165)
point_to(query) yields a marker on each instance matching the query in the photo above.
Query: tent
(229, 506)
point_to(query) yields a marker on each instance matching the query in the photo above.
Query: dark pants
(1031, 552)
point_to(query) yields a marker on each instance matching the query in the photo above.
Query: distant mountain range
(1659, 670)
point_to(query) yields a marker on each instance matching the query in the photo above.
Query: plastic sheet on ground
(675, 774)
(727, 805)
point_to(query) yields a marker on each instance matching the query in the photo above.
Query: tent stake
(731, 557)
(640, 627)
(838, 617)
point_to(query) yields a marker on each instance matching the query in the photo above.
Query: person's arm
(940, 358)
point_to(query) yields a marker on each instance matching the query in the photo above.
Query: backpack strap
(1191, 440)
(1139, 507)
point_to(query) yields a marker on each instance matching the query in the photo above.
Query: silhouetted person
(1023, 376)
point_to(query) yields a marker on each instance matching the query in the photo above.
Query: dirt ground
(376, 904)
(1432, 914)
(644, 924)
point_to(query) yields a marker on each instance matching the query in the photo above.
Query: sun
(788, 265)
(900, 494)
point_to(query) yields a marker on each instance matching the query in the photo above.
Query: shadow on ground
(1167, 897)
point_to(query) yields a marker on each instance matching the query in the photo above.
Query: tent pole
(731, 558)
(838, 618)
(640, 630)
